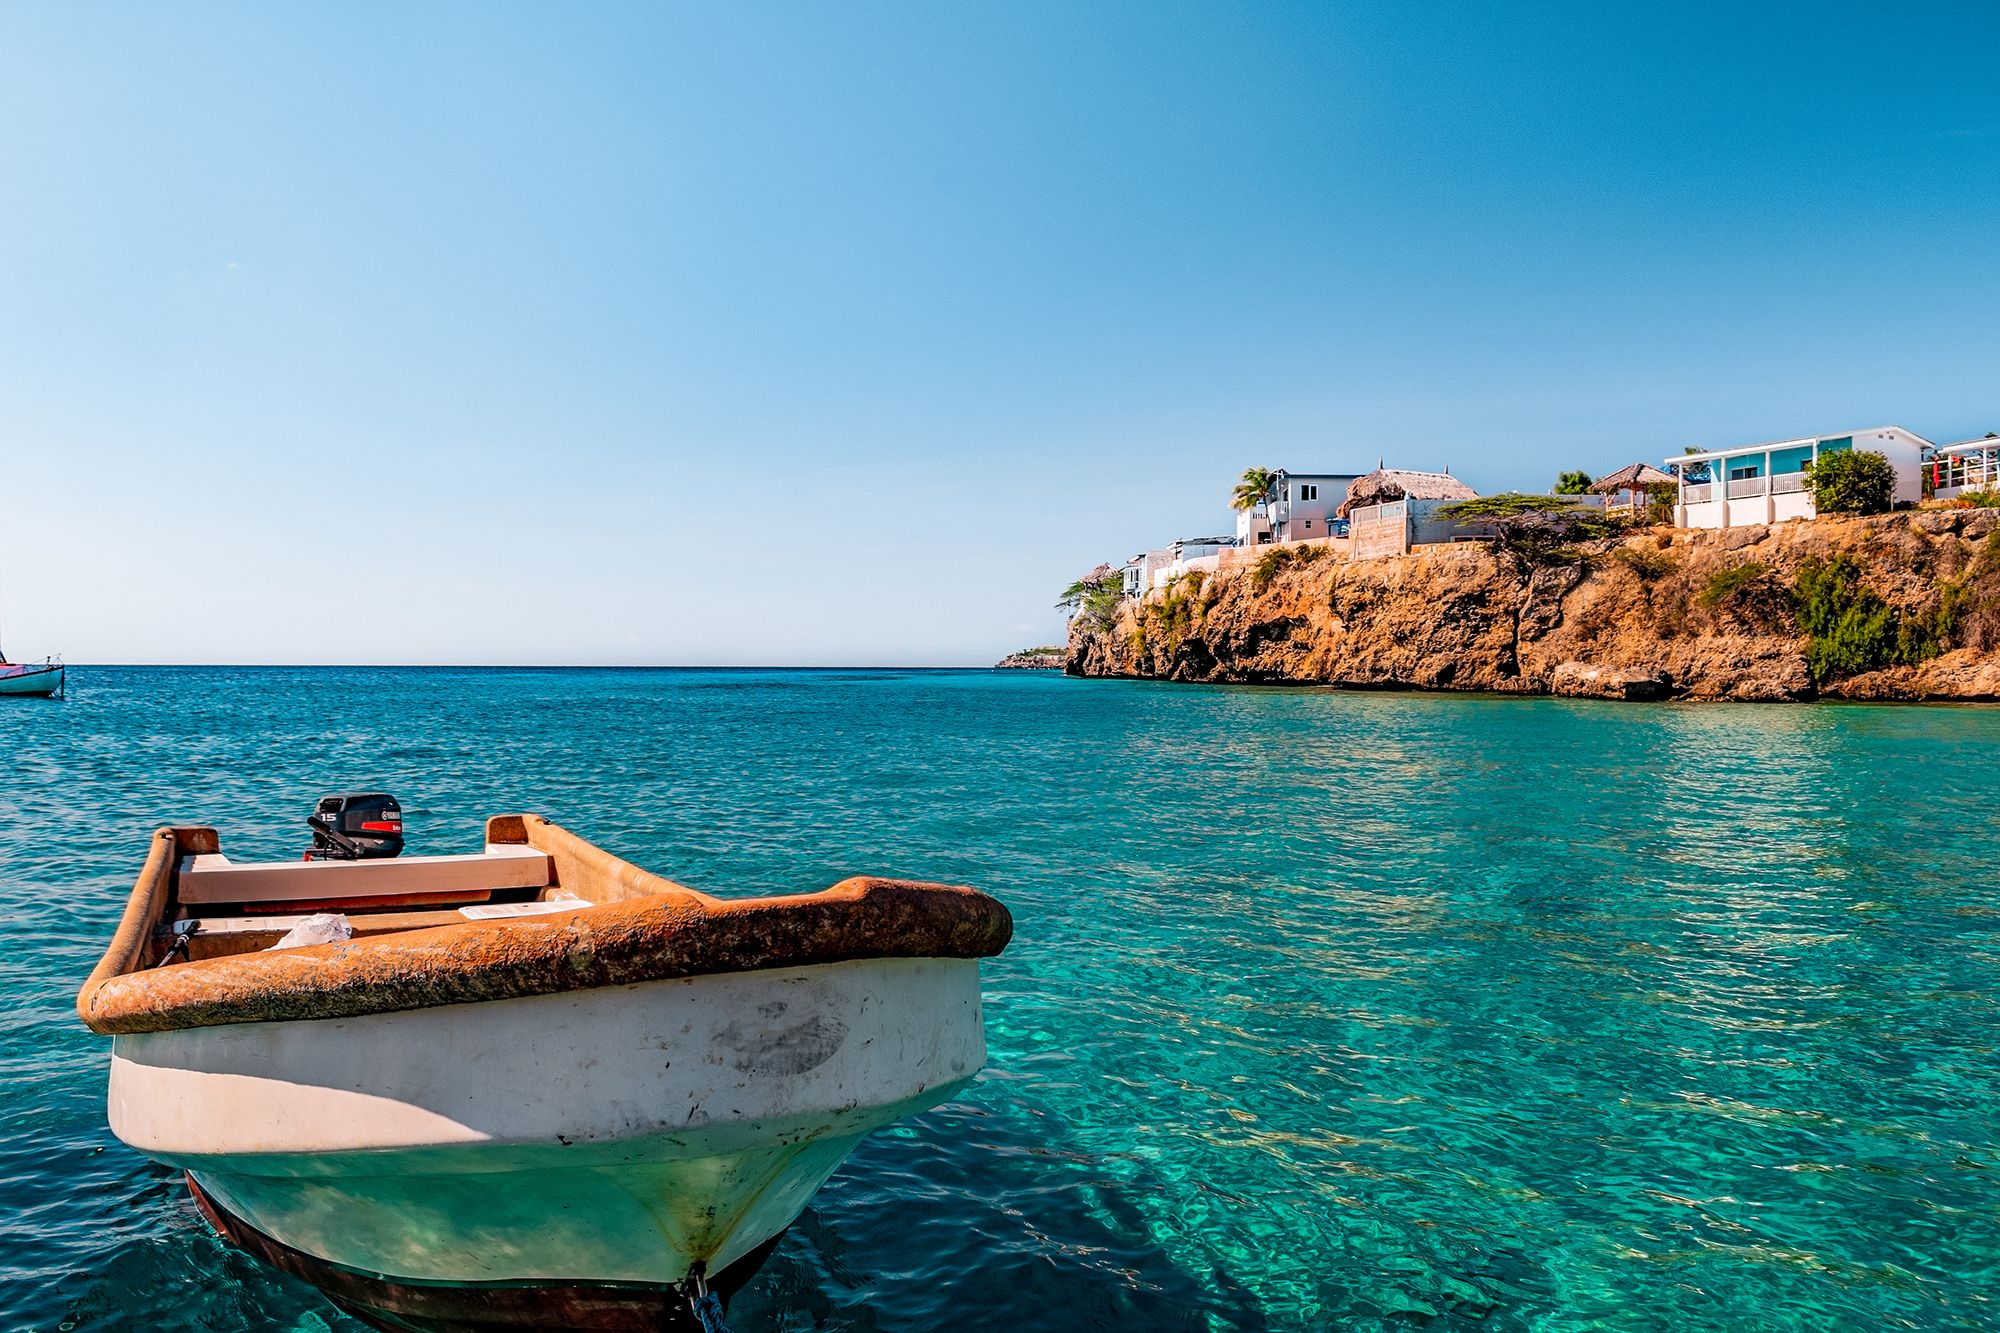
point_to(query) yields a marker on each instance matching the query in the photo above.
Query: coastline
(1052, 658)
(1654, 614)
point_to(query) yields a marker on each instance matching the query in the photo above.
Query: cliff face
(1658, 613)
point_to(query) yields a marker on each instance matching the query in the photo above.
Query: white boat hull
(613, 1135)
(33, 682)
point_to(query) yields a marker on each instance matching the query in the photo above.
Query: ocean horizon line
(518, 666)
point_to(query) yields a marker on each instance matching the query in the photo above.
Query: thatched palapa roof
(1634, 478)
(1385, 484)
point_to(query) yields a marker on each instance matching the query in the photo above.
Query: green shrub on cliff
(1750, 595)
(1971, 602)
(1852, 481)
(1278, 559)
(1851, 629)
(1727, 584)
(1661, 497)
(1174, 614)
(1649, 564)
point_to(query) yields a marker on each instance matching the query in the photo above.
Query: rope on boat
(708, 1311)
(183, 932)
(704, 1304)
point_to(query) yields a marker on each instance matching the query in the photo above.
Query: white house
(1134, 573)
(1765, 483)
(1299, 506)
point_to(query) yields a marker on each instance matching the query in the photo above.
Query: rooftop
(1737, 449)
(1631, 477)
(1387, 483)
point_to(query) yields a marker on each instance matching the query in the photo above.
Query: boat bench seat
(218, 936)
(212, 878)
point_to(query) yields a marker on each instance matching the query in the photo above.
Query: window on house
(1743, 473)
(1305, 522)
(1308, 492)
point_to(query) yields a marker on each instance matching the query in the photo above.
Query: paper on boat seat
(319, 928)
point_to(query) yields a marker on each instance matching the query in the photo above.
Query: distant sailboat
(28, 680)
(31, 679)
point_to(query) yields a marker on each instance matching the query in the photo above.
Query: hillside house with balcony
(1766, 483)
(1299, 506)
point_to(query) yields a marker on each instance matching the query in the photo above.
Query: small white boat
(31, 680)
(539, 1086)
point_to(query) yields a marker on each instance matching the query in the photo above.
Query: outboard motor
(356, 826)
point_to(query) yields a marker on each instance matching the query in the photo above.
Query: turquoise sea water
(1324, 1010)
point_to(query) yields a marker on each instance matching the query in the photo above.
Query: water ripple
(1326, 1010)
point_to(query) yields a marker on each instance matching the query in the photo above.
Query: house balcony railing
(1698, 493)
(1977, 468)
(1789, 483)
(1747, 488)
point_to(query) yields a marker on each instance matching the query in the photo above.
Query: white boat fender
(705, 1305)
(319, 928)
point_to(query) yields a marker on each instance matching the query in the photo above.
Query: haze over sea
(1324, 1009)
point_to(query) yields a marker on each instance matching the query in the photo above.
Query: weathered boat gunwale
(145, 907)
(642, 928)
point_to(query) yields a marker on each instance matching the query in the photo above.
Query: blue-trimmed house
(1765, 483)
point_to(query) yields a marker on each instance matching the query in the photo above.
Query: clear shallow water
(1324, 1010)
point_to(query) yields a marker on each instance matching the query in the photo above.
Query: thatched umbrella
(1387, 484)
(1637, 477)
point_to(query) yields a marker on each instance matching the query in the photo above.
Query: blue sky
(848, 334)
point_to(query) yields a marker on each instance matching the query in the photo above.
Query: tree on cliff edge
(1572, 483)
(1533, 531)
(1092, 600)
(1256, 484)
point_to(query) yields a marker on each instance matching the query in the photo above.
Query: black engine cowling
(356, 826)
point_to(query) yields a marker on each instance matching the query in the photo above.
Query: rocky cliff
(1655, 613)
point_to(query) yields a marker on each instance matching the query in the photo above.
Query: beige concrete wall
(1379, 530)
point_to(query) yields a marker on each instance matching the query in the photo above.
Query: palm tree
(1250, 492)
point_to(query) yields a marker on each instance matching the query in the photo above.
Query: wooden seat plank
(213, 878)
